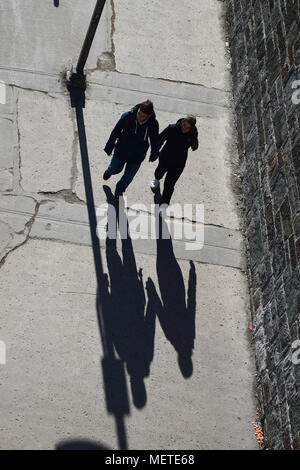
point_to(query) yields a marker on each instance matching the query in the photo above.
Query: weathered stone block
(296, 161)
(293, 252)
(286, 439)
(286, 218)
(292, 292)
(298, 249)
(295, 414)
(297, 225)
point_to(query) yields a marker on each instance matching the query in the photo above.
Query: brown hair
(147, 107)
(191, 119)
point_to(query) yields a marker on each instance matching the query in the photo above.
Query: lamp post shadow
(114, 380)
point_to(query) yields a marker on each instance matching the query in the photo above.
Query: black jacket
(130, 140)
(175, 151)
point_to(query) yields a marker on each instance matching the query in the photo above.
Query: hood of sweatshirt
(134, 111)
(148, 124)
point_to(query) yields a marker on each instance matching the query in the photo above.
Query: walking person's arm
(154, 142)
(115, 134)
(194, 140)
(160, 140)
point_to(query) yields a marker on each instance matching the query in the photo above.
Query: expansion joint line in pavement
(112, 32)
(58, 75)
(215, 252)
(61, 78)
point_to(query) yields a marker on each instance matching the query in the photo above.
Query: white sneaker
(162, 211)
(154, 184)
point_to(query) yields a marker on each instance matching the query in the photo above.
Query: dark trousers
(172, 176)
(116, 166)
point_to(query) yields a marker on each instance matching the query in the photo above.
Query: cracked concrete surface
(174, 55)
(46, 142)
(182, 30)
(44, 333)
(16, 226)
(53, 51)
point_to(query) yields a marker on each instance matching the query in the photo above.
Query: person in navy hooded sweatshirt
(129, 143)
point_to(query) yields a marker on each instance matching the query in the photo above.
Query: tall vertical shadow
(112, 368)
(56, 3)
(130, 327)
(176, 313)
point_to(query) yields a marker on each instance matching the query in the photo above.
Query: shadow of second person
(178, 310)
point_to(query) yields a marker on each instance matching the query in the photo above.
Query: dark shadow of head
(138, 390)
(185, 363)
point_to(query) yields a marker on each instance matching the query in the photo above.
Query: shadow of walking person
(177, 315)
(131, 328)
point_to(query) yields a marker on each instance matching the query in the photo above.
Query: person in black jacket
(129, 141)
(178, 139)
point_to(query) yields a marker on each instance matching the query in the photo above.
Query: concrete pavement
(51, 386)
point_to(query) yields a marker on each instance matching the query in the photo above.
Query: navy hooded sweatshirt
(130, 140)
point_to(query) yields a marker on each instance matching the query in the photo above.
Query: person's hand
(108, 149)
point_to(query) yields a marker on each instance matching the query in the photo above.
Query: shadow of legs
(177, 318)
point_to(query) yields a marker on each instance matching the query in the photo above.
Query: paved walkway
(128, 381)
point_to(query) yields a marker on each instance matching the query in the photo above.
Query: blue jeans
(116, 166)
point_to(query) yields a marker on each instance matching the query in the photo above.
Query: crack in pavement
(48, 93)
(177, 98)
(219, 246)
(74, 168)
(61, 77)
(67, 195)
(7, 119)
(176, 82)
(112, 32)
(17, 166)
(26, 232)
(58, 75)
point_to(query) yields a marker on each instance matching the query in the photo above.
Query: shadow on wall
(56, 3)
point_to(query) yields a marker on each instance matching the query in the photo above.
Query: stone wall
(264, 42)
